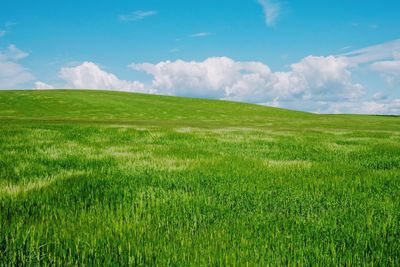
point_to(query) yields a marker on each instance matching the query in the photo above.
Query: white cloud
(137, 15)
(382, 58)
(88, 75)
(321, 84)
(44, 86)
(271, 9)
(321, 78)
(274, 103)
(214, 77)
(383, 107)
(313, 83)
(200, 34)
(13, 74)
(390, 71)
(16, 54)
(384, 51)
(221, 77)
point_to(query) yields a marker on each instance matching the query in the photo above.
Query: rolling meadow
(121, 179)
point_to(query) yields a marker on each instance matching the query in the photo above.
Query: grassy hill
(107, 178)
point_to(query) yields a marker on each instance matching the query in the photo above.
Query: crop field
(121, 179)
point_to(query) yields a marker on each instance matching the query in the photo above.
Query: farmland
(107, 178)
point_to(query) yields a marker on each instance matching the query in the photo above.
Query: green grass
(105, 178)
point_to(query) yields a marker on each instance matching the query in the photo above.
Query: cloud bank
(323, 84)
(313, 77)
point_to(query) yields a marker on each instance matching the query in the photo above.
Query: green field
(117, 179)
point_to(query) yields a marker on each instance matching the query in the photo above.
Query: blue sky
(322, 56)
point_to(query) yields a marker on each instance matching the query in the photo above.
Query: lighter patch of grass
(119, 151)
(25, 186)
(7, 112)
(332, 146)
(237, 138)
(16, 189)
(66, 149)
(172, 164)
(335, 132)
(289, 163)
(186, 130)
(234, 129)
(147, 161)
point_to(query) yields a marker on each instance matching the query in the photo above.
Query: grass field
(106, 178)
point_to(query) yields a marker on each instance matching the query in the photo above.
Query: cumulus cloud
(222, 77)
(272, 9)
(88, 75)
(13, 74)
(320, 78)
(137, 15)
(202, 79)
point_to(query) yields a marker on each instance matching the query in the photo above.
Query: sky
(337, 56)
